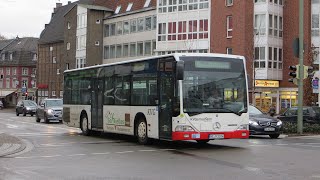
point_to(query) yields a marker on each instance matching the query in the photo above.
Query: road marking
(51, 156)
(123, 152)
(147, 150)
(281, 144)
(258, 145)
(168, 149)
(100, 153)
(76, 155)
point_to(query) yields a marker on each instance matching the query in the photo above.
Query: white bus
(162, 97)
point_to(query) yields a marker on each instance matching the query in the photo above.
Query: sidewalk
(7, 110)
(10, 145)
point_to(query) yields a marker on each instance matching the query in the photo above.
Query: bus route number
(151, 112)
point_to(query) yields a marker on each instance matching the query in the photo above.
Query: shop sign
(263, 83)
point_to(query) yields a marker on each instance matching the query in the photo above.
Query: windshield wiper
(239, 113)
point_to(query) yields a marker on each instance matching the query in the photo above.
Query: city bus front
(213, 99)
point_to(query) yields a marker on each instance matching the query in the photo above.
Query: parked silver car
(50, 110)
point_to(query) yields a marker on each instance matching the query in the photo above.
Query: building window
(162, 32)
(80, 63)
(172, 30)
(106, 52)
(8, 71)
(117, 10)
(259, 57)
(275, 22)
(68, 46)
(229, 50)
(53, 93)
(113, 29)
(148, 22)
(133, 25)
(203, 29)
(193, 4)
(229, 26)
(129, 7)
(203, 4)
(154, 46)
(154, 22)
(119, 28)
(35, 57)
(118, 50)
(193, 28)
(54, 60)
(162, 6)
(140, 24)
(280, 27)
(106, 30)
(7, 83)
(14, 71)
(229, 2)
(270, 25)
(51, 48)
(67, 66)
(147, 48)
(125, 50)
(112, 51)
(183, 5)
(182, 30)
(126, 27)
(260, 24)
(68, 25)
(147, 3)
(24, 71)
(140, 49)
(172, 6)
(58, 71)
(11, 56)
(3, 56)
(132, 49)
(315, 25)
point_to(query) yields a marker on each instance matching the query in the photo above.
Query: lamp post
(300, 82)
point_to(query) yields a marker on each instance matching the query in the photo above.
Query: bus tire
(142, 131)
(204, 141)
(84, 125)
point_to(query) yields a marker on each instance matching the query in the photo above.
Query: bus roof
(176, 55)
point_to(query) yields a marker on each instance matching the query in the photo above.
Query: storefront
(267, 93)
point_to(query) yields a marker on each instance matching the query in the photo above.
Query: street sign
(24, 89)
(315, 85)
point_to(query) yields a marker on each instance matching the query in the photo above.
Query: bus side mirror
(180, 70)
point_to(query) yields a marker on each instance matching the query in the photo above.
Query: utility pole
(300, 82)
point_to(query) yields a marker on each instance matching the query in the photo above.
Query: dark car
(263, 124)
(50, 110)
(26, 107)
(311, 114)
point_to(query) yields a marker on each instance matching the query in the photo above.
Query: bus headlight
(184, 128)
(243, 127)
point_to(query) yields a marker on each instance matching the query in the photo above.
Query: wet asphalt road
(55, 151)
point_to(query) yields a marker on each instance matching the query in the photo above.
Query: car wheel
(205, 141)
(274, 136)
(84, 125)
(46, 120)
(17, 113)
(142, 132)
(24, 113)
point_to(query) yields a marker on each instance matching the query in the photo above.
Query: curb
(10, 145)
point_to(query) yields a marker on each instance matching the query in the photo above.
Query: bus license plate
(269, 129)
(216, 136)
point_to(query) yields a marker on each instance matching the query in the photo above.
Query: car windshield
(254, 111)
(30, 103)
(50, 103)
(214, 84)
(316, 110)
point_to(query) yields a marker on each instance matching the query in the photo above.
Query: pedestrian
(272, 111)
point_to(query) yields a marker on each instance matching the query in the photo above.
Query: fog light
(186, 136)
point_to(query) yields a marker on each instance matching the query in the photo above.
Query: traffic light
(294, 73)
(307, 71)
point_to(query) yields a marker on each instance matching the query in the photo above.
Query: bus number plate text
(216, 136)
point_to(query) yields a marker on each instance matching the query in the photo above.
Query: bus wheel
(84, 125)
(141, 132)
(203, 141)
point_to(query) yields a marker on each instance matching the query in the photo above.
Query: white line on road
(147, 150)
(123, 152)
(281, 144)
(168, 149)
(100, 153)
(76, 155)
(12, 126)
(258, 145)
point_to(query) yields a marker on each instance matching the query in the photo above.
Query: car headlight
(184, 128)
(253, 123)
(279, 123)
(50, 111)
(27, 108)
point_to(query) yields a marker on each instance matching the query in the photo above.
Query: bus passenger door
(97, 104)
(166, 99)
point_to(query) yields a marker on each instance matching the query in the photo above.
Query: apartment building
(18, 59)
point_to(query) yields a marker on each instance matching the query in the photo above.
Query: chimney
(58, 5)
(69, 2)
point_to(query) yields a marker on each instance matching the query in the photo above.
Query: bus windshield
(214, 84)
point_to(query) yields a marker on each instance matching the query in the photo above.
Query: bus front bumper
(238, 134)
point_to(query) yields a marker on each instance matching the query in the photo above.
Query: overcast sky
(25, 17)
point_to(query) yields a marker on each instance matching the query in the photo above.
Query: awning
(4, 93)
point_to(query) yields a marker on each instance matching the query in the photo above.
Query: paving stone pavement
(10, 145)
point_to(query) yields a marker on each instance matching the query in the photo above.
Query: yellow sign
(263, 83)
